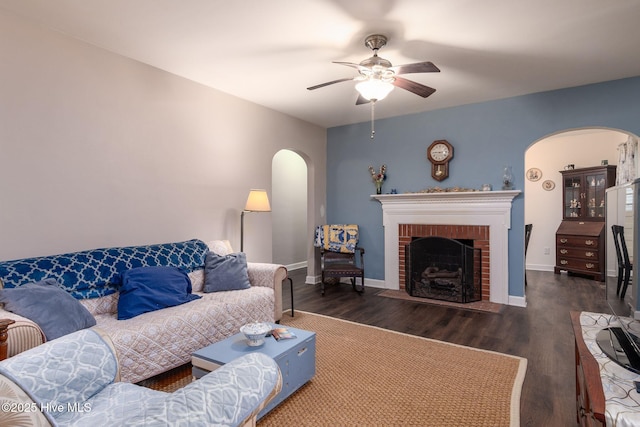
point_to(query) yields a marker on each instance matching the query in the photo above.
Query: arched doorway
(289, 209)
(543, 197)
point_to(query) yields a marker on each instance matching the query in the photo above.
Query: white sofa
(157, 341)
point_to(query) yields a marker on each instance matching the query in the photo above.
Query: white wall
(583, 148)
(98, 150)
(289, 207)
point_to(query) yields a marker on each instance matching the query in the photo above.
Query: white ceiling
(269, 52)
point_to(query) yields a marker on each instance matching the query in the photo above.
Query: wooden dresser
(580, 248)
(581, 237)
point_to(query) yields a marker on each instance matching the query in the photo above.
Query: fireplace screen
(443, 269)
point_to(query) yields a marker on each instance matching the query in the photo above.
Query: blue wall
(486, 137)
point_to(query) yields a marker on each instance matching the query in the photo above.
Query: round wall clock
(439, 153)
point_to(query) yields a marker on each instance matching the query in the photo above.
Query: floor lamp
(258, 201)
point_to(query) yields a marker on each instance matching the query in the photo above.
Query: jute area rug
(368, 376)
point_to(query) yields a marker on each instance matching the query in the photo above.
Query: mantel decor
(444, 190)
(378, 177)
(507, 179)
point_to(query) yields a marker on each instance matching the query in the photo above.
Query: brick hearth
(478, 233)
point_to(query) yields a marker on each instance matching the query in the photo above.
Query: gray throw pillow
(225, 272)
(52, 308)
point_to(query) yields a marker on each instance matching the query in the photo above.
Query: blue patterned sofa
(73, 381)
(157, 341)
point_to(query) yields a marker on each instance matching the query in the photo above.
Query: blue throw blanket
(94, 273)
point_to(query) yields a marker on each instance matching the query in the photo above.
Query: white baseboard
(375, 283)
(312, 280)
(517, 301)
(540, 267)
(369, 283)
(544, 267)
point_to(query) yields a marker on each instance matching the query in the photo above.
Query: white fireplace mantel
(490, 208)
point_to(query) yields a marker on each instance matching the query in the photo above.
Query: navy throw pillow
(145, 289)
(52, 308)
(226, 273)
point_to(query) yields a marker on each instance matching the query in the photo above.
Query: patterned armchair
(73, 380)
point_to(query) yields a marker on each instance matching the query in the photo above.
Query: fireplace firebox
(444, 269)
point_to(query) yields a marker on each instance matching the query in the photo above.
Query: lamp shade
(374, 89)
(258, 201)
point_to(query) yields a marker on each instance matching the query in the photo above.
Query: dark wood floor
(541, 332)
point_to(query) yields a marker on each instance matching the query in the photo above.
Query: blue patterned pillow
(53, 309)
(146, 289)
(226, 273)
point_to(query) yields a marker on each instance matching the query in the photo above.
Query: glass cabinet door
(584, 192)
(572, 196)
(595, 195)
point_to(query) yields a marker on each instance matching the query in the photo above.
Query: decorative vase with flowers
(378, 177)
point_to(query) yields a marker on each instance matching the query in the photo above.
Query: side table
(295, 357)
(589, 394)
(605, 393)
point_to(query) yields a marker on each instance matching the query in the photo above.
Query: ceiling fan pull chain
(373, 106)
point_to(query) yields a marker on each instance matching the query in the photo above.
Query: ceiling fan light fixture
(374, 89)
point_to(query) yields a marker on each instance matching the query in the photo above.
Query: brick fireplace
(482, 216)
(478, 234)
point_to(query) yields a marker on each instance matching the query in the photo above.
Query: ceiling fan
(377, 76)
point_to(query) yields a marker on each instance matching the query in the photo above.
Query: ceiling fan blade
(330, 83)
(418, 67)
(361, 68)
(348, 64)
(411, 86)
(362, 100)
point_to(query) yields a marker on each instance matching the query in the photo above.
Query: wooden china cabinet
(581, 237)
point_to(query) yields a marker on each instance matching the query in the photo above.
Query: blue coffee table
(295, 357)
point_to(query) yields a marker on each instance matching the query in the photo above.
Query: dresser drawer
(582, 253)
(578, 264)
(577, 241)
